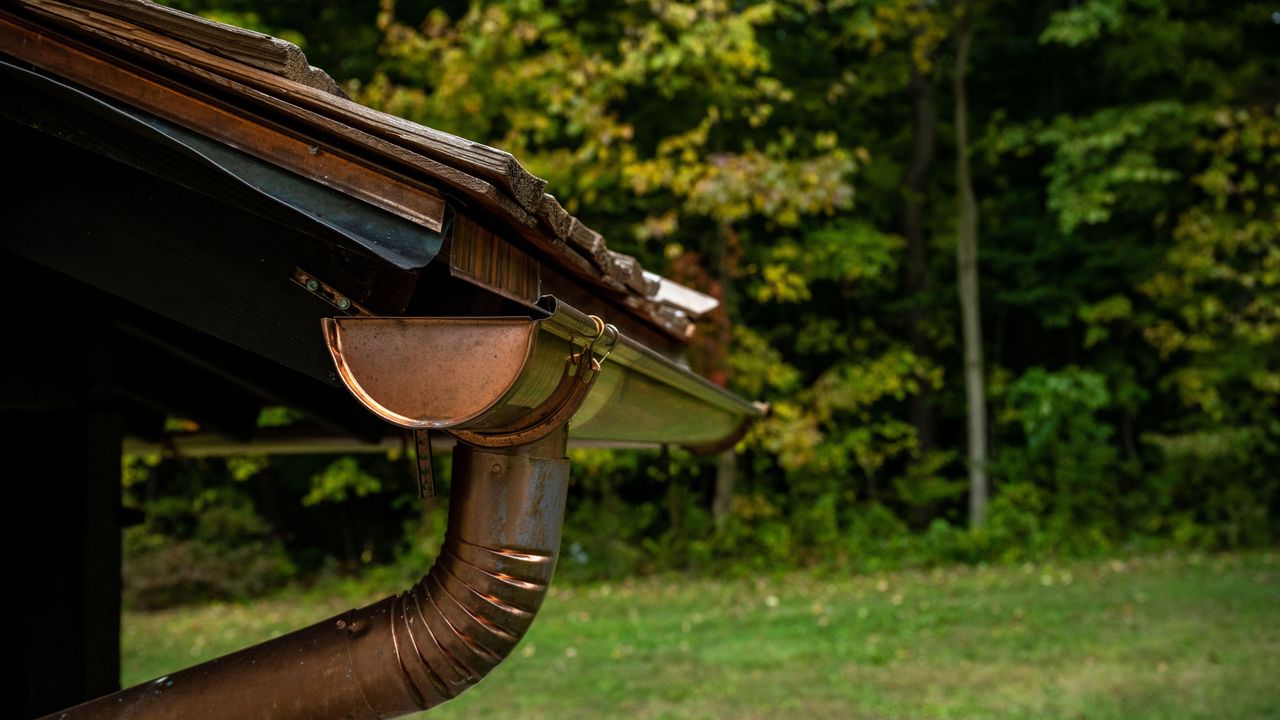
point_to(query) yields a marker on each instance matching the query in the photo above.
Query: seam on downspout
(432, 680)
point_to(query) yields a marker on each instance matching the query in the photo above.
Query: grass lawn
(1150, 637)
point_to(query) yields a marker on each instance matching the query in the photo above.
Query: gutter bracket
(424, 465)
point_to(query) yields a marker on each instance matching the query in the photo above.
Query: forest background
(1008, 274)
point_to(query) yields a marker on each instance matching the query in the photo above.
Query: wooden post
(61, 443)
(63, 477)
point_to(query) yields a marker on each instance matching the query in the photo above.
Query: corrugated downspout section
(408, 652)
(481, 595)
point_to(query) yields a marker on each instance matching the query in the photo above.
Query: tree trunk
(726, 463)
(675, 496)
(915, 184)
(726, 477)
(967, 280)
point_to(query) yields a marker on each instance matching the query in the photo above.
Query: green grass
(1151, 637)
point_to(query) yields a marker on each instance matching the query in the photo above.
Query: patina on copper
(413, 650)
(429, 373)
(483, 374)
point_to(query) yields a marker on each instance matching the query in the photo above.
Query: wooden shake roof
(259, 95)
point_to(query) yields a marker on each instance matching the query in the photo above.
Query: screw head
(344, 303)
(312, 285)
(496, 469)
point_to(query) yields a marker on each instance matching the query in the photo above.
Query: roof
(195, 198)
(199, 84)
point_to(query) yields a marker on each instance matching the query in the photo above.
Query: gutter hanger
(507, 388)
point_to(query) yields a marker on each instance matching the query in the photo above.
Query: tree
(789, 157)
(967, 277)
(924, 131)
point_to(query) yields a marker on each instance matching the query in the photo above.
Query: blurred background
(1008, 274)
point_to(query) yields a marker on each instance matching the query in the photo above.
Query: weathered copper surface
(408, 652)
(580, 373)
(491, 381)
(422, 373)
(484, 379)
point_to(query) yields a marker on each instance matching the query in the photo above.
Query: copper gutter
(508, 389)
(478, 375)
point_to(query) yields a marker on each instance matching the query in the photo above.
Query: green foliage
(1217, 294)
(214, 529)
(209, 545)
(341, 479)
(1126, 168)
(162, 573)
(1211, 491)
(1061, 475)
(1085, 22)
(1107, 161)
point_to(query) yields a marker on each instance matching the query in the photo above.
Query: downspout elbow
(408, 652)
(481, 595)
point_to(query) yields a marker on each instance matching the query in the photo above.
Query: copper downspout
(408, 652)
(507, 388)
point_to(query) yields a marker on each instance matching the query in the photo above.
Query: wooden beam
(62, 471)
(489, 164)
(419, 204)
(60, 437)
(486, 179)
